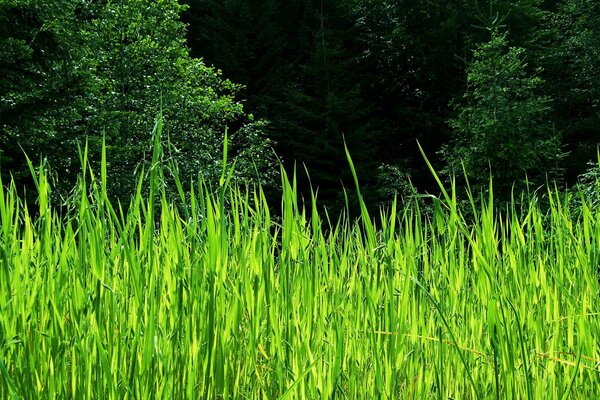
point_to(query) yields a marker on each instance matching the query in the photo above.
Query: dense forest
(504, 88)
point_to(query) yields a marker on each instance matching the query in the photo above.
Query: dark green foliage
(502, 125)
(382, 73)
(298, 62)
(572, 71)
(81, 70)
(41, 85)
(411, 57)
(325, 71)
(378, 75)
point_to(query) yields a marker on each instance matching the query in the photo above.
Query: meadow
(212, 297)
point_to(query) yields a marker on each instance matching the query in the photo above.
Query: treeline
(511, 85)
(507, 88)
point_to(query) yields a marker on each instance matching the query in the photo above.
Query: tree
(77, 70)
(572, 71)
(141, 64)
(298, 61)
(411, 54)
(41, 86)
(392, 67)
(502, 121)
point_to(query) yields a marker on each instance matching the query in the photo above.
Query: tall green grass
(216, 300)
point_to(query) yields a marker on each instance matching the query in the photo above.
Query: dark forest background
(509, 89)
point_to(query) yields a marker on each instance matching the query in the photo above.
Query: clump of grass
(216, 300)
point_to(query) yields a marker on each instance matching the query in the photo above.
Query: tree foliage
(42, 84)
(141, 64)
(572, 72)
(502, 125)
(327, 71)
(377, 75)
(82, 70)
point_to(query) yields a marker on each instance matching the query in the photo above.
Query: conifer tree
(297, 60)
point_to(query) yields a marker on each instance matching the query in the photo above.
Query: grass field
(217, 300)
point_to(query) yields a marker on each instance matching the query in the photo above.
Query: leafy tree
(41, 85)
(141, 64)
(502, 122)
(572, 71)
(72, 70)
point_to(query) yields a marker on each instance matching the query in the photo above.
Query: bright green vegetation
(215, 299)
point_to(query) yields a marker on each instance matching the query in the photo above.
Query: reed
(213, 299)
